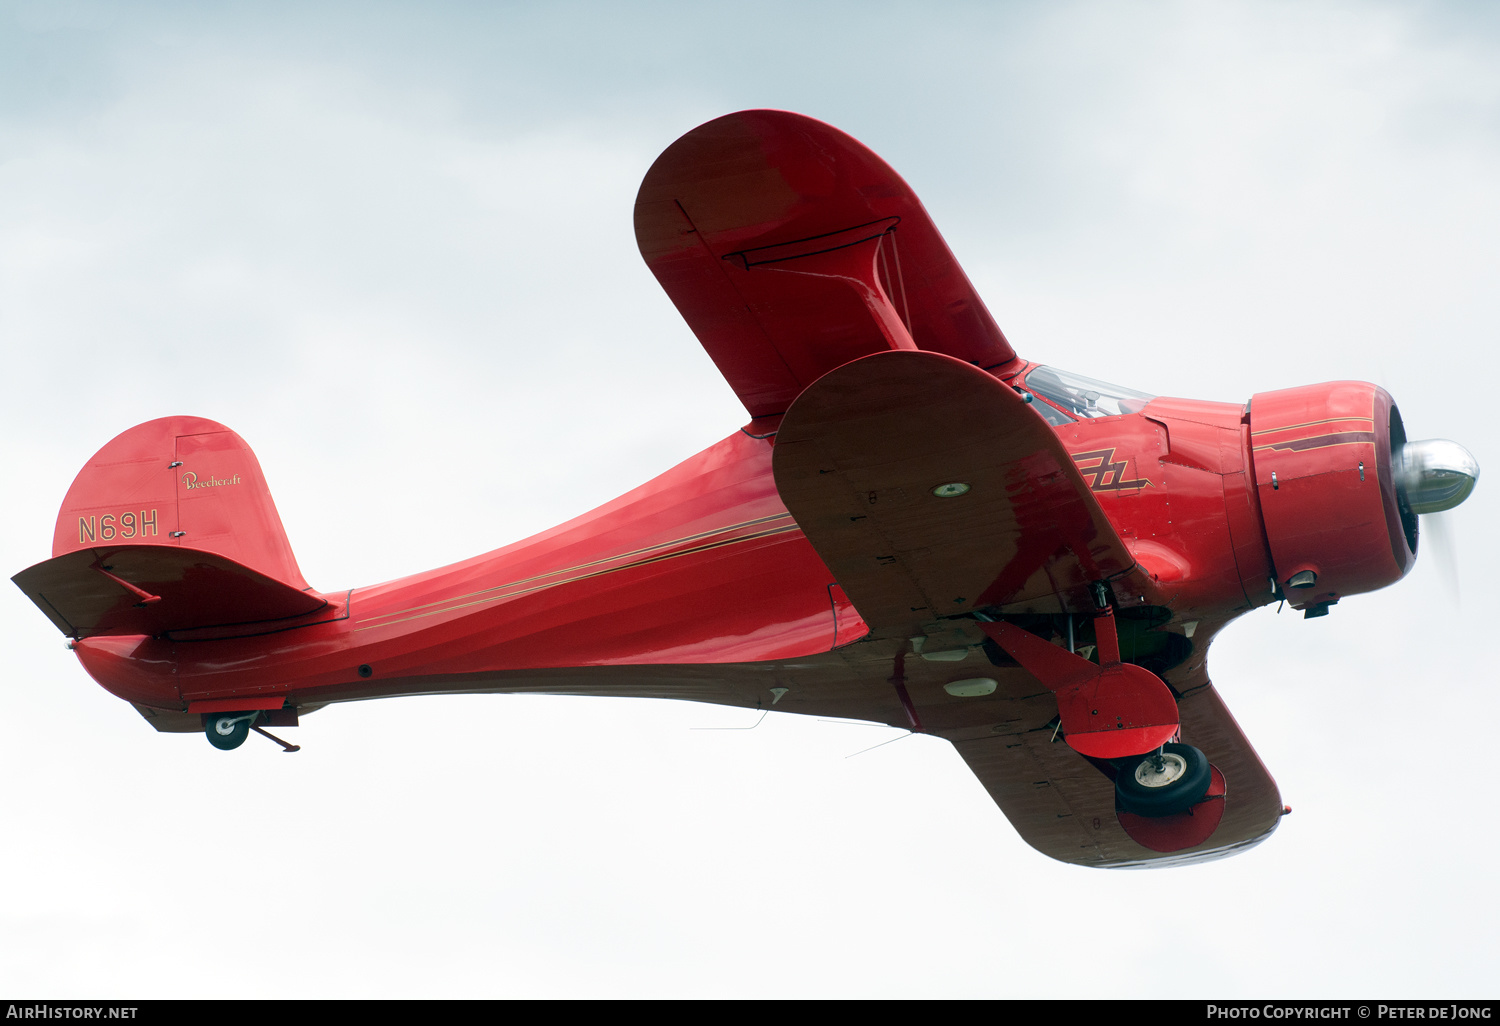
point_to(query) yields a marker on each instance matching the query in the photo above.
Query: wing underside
(1064, 806)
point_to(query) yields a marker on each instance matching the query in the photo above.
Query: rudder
(182, 481)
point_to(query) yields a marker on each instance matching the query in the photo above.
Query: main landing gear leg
(1110, 709)
(1167, 795)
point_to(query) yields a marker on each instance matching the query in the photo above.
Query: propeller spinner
(1435, 475)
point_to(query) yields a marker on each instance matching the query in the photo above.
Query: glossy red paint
(1327, 490)
(769, 230)
(1184, 830)
(178, 481)
(701, 565)
(1107, 709)
(891, 414)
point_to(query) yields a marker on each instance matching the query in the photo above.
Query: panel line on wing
(827, 242)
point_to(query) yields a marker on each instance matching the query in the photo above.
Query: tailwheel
(228, 730)
(1163, 783)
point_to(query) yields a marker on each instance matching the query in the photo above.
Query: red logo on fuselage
(1103, 472)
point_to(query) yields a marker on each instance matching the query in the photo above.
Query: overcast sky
(390, 245)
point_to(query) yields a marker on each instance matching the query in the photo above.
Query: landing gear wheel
(227, 730)
(1163, 783)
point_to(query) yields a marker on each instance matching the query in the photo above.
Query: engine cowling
(1327, 462)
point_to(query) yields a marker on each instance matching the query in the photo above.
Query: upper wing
(791, 249)
(858, 457)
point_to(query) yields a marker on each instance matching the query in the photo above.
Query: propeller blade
(1445, 552)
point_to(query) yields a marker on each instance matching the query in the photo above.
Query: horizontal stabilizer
(151, 589)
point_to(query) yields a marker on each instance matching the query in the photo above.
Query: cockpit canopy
(1081, 398)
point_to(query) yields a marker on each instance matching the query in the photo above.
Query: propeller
(1433, 476)
(1445, 551)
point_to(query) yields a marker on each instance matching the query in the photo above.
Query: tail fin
(169, 526)
(178, 481)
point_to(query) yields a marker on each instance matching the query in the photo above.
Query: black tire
(1140, 788)
(214, 728)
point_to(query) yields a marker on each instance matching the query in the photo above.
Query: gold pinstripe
(455, 602)
(1314, 423)
(584, 566)
(1330, 445)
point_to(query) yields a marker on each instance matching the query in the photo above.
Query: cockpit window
(1051, 414)
(1084, 397)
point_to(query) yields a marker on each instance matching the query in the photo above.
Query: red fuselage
(702, 566)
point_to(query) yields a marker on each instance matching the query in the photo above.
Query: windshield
(1084, 397)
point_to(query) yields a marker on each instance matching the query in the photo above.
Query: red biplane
(916, 527)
